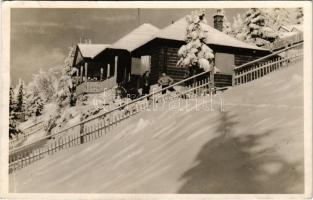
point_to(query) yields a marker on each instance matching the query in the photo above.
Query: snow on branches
(261, 25)
(227, 27)
(255, 29)
(66, 88)
(13, 117)
(196, 53)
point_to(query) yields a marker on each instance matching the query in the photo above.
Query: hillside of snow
(254, 146)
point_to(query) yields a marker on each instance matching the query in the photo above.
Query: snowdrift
(255, 146)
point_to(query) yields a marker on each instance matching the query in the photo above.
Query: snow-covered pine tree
(66, 94)
(39, 106)
(227, 28)
(12, 105)
(66, 88)
(255, 29)
(276, 17)
(34, 105)
(13, 130)
(196, 54)
(20, 101)
(237, 26)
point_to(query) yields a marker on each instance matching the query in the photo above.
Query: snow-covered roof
(91, 50)
(177, 30)
(137, 37)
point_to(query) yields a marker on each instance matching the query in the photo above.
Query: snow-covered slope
(255, 146)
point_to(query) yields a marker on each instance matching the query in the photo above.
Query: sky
(41, 37)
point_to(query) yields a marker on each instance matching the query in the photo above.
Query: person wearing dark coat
(146, 83)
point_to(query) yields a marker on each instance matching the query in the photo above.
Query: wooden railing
(280, 59)
(285, 42)
(26, 132)
(43, 148)
(95, 86)
(94, 127)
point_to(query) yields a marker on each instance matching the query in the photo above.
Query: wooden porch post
(77, 74)
(86, 71)
(108, 71)
(212, 84)
(115, 69)
(108, 76)
(86, 75)
(81, 74)
(101, 74)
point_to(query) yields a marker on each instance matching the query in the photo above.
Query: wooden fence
(28, 131)
(93, 128)
(99, 125)
(285, 42)
(21, 159)
(253, 71)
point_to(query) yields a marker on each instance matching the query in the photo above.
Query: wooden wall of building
(164, 58)
(242, 59)
(177, 73)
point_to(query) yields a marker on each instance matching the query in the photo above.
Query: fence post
(106, 126)
(114, 116)
(22, 160)
(51, 149)
(81, 132)
(91, 130)
(70, 141)
(87, 133)
(39, 151)
(98, 130)
(64, 143)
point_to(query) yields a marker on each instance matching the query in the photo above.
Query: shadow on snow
(226, 164)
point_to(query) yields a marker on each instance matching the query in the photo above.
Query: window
(225, 62)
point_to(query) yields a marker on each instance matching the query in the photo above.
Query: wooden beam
(108, 71)
(86, 71)
(101, 74)
(81, 73)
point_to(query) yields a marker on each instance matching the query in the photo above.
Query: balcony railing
(92, 86)
(285, 42)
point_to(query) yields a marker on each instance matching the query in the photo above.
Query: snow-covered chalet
(149, 48)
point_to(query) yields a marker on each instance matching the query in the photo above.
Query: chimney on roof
(218, 19)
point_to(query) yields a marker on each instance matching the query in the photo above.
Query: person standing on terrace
(165, 81)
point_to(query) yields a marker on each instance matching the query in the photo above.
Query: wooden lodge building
(163, 49)
(148, 48)
(103, 66)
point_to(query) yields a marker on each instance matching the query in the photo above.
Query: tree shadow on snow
(227, 164)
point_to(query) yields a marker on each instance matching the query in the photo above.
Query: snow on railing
(95, 86)
(254, 70)
(26, 132)
(285, 42)
(100, 125)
